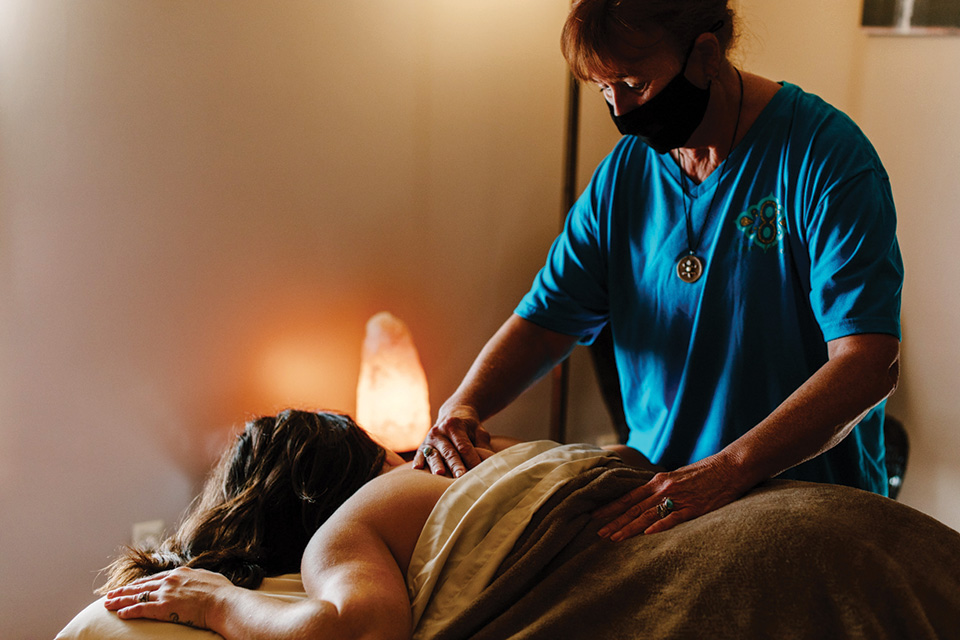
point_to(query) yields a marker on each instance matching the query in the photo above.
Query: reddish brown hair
(589, 42)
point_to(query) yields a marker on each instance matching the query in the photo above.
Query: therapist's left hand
(693, 490)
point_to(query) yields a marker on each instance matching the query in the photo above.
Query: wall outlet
(147, 533)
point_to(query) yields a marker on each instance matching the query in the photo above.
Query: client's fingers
(146, 583)
(133, 597)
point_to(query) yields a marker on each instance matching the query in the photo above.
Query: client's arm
(360, 594)
(353, 571)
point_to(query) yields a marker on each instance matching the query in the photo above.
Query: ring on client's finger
(426, 450)
(144, 596)
(664, 508)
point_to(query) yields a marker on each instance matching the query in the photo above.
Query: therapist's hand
(454, 443)
(694, 490)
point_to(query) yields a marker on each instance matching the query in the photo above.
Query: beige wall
(201, 202)
(918, 133)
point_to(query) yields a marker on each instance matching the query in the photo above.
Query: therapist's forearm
(518, 355)
(862, 371)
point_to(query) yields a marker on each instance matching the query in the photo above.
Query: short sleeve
(856, 270)
(570, 295)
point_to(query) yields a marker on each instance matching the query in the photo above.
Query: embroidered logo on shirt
(763, 223)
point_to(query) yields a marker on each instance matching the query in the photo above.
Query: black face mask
(667, 120)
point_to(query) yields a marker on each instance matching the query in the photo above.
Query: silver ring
(426, 450)
(665, 507)
(144, 596)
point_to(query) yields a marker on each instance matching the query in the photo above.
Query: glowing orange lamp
(393, 403)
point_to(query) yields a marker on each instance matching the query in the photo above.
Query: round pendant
(690, 268)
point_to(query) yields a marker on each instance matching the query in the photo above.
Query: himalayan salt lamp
(393, 403)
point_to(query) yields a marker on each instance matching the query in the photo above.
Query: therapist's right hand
(453, 443)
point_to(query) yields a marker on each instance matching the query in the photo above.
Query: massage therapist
(740, 240)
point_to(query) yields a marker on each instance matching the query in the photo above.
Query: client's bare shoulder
(396, 505)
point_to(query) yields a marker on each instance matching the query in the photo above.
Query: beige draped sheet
(511, 551)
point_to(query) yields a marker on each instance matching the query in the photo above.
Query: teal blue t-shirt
(800, 248)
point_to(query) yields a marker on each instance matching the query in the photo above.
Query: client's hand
(453, 443)
(668, 499)
(184, 596)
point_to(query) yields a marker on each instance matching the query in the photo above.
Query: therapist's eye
(630, 84)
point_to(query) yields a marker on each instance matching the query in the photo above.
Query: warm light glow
(392, 398)
(301, 370)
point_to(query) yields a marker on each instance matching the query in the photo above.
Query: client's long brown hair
(264, 500)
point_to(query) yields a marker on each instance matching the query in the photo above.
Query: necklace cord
(691, 247)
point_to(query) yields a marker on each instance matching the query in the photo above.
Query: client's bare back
(395, 506)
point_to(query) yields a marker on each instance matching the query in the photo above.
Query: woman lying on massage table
(281, 493)
(511, 550)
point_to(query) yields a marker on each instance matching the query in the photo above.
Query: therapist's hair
(589, 41)
(264, 500)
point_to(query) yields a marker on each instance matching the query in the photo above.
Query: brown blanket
(789, 560)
